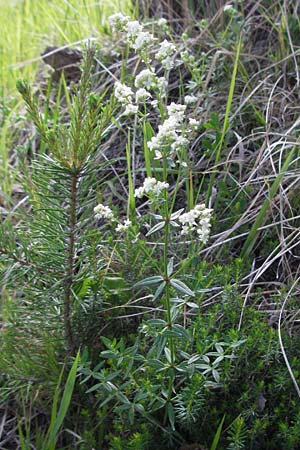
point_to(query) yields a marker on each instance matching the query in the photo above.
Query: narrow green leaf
(148, 281)
(181, 287)
(64, 405)
(159, 290)
(168, 354)
(193, 359)
(94, 388)
(192, 305)
(156, 364)
(176, 214)
(181, 331)
(55, 400)
(216, 375)
(217, 435)
(171, 415)
(157, 322)
(170, 267)
(226, 119)
(219, 348)
(156, 227)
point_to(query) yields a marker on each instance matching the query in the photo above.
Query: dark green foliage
(237, 434)
(49, 247)
(189, 403)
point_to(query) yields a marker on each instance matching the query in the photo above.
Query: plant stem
(69, 339)
(131, 210)
(166, 277)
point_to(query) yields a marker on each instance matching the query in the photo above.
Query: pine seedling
(46, 258)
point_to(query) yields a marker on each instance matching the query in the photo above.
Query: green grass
(29, 26)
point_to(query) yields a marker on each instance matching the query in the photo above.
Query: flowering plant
(163, 150)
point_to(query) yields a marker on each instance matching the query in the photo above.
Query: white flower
(151, 186)
(103, 212)
(138, 39)
(176, 110)
(154, 103)
(168, 136)
(162, 22)
(166, 54)
(185, 230)
(193, 123)
(142, 95)
(158, 154)
(130, 109)
(182, 163)
(142, 41)
(121, 227)
(118, 21)
(180, 142)
(190, 99)
(139, 192)
(168, 63)
(229, 9)
(123, 93)
(162, 85)
(197, 219)
(166, 49)
(145, 79)
(132, 28)
(203, 234)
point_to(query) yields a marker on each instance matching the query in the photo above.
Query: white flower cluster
(151, 186)
(139, 40)
(142, 41)
(190, 99)
(118, 21)
(142, 95)
(169, 137)
(166, 54)
(162, 22)
(123, 93)
(130, 109)
(176, 110)
(193, 123)
(145, 80)
(122, 227)
(103, 212)
(229, 9)
(197, 219)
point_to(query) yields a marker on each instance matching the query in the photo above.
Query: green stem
(167, 289)
(131, 211)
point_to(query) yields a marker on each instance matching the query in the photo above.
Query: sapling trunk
(69, 338)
